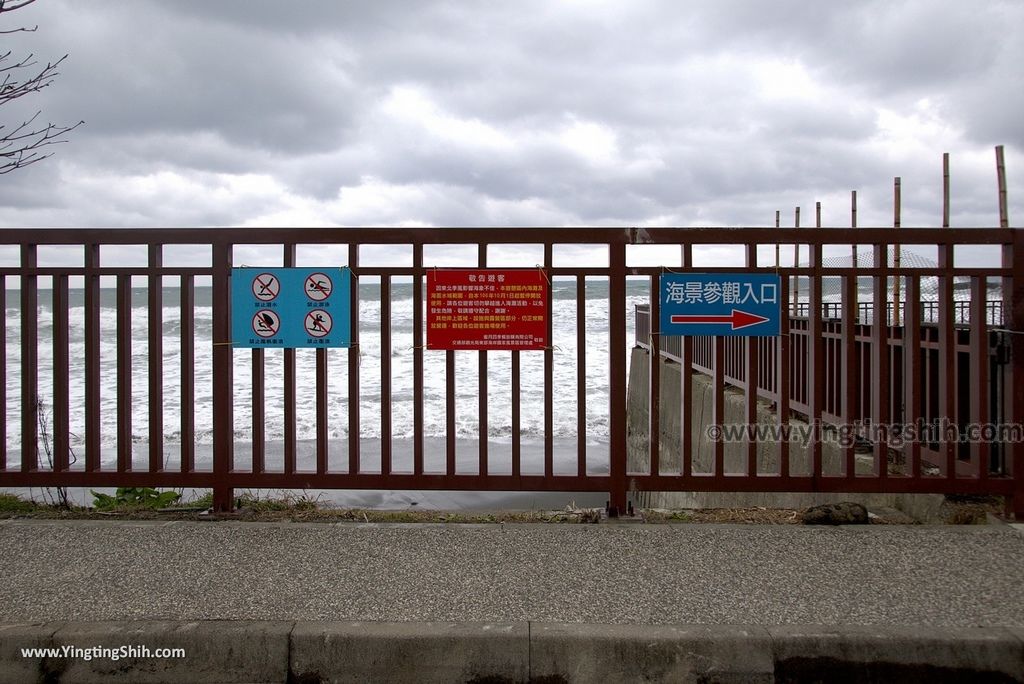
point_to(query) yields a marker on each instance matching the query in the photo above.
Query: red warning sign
(318, 323)
(266, 287)
(488, 309)
(266, 323)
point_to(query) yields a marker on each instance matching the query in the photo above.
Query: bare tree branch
(21, 30)
(4, 7)
(25, 144)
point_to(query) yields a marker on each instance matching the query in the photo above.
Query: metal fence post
(617, 366)
(1013, 288)
(223, 389)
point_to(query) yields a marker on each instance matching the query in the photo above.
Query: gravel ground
(608, 573)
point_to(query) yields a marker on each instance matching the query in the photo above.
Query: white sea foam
(499, 390)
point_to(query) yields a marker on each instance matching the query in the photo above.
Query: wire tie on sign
(543, 272)
(221, 344)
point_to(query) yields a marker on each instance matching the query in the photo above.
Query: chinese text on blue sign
(290, 307)
(729, 304)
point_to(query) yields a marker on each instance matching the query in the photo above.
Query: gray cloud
(472, 113)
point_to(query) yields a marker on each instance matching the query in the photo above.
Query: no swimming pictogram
(318, 286)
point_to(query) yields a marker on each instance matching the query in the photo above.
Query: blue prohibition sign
(723, 304)
(291, 307)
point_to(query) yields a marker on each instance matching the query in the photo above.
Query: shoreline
(467, 462)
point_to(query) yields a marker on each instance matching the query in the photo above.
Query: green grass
(12, 503)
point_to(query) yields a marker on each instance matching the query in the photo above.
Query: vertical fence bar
(61, 374)
(385, 375)
(124, 373)
(581, 376)
(880, 357)
(815, 360)
(783, 378)
(549, 372)
(718, 400)
(482, 420)
(516, 417)
(417, 358)
(290, 398)
(1013, 292)
(223, 380)
(947, 361)
(188, 382)
(686, 383)
(155, 321)
(979, 367)
(29, 361)
(353, 363)
(750, 394)
(3, 373)
(850, 383)
(449, 379)
(654, 401)
(259, 397)
(321, 411)
(912, 398)
(617, 374)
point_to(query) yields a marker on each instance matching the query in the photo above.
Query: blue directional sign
(727, 304)
(291, 307)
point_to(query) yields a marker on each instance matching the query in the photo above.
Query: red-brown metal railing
(817, 369)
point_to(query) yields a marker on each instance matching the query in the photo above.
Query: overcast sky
(547, 112)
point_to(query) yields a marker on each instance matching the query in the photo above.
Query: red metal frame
(817, 369)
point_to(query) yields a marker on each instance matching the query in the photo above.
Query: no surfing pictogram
(318, 323)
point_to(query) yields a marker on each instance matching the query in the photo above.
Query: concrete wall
(920, 506)
(317, 652)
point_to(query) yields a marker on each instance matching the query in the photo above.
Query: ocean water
(499, 392)
(498, 429)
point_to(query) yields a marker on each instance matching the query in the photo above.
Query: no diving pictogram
(318, 323)
(266, 287)
(266, 323)
(318, 287)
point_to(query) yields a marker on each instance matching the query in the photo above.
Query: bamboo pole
(896, 254)
(1004, 218)
(945, 189)
(853, 248)
(777, 217)
(796, 262)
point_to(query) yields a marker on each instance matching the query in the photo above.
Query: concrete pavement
(752, 602)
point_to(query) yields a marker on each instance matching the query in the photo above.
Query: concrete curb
(314, 652)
